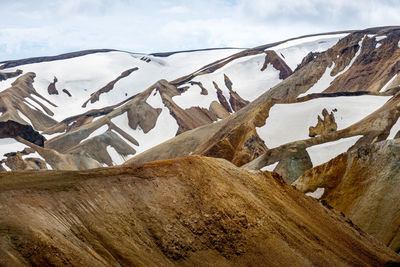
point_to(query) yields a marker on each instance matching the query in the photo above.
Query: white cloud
(175, 10)
(33, 28)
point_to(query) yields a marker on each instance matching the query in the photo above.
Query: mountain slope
(188, 211)
(363, 184)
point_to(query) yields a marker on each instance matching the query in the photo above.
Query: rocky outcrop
(373, 68)
(188, 211)
(60, 161)
(364, 185)
(12, 129)
(51, 89)
(272, 58)
(6, 75)
(67, 92)
(17, 162)
(221, 98)
(235, 100)
(96, 95)
(307, 59)
(12, 101)
(96, 148)
(325, 125)
(203, 90)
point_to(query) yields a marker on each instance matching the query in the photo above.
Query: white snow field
(290, 122)
(9, 144)
(84, 75)
(324, 152)
(292, 52)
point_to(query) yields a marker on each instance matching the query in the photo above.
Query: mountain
(111, 105)
(143, 146)
(187, 211)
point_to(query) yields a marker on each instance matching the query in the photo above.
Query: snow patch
(394, 130)
(318, 193)
(387, 84)
(8, 145)
(117, 158)
(377, 45)
(270, 167)
(324, 152)
(380, 38)
(25, 118)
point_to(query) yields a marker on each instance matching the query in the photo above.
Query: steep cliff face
(364, 184)
(188, 211)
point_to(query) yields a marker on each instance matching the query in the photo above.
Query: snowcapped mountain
(77, 100)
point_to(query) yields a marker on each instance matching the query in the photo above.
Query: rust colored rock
(363, 184)
(325, 125)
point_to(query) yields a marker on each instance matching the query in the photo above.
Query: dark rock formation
(12, 129)
(222, 98)
(15, 63)
(6, 75)
(203, 90)
(67, 92)
(51, 89)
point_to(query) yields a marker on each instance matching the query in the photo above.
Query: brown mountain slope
(364, 184)
(187, 211)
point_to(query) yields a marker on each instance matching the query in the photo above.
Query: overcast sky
(49, 27)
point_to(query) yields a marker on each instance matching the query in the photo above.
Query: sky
(39, 27)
